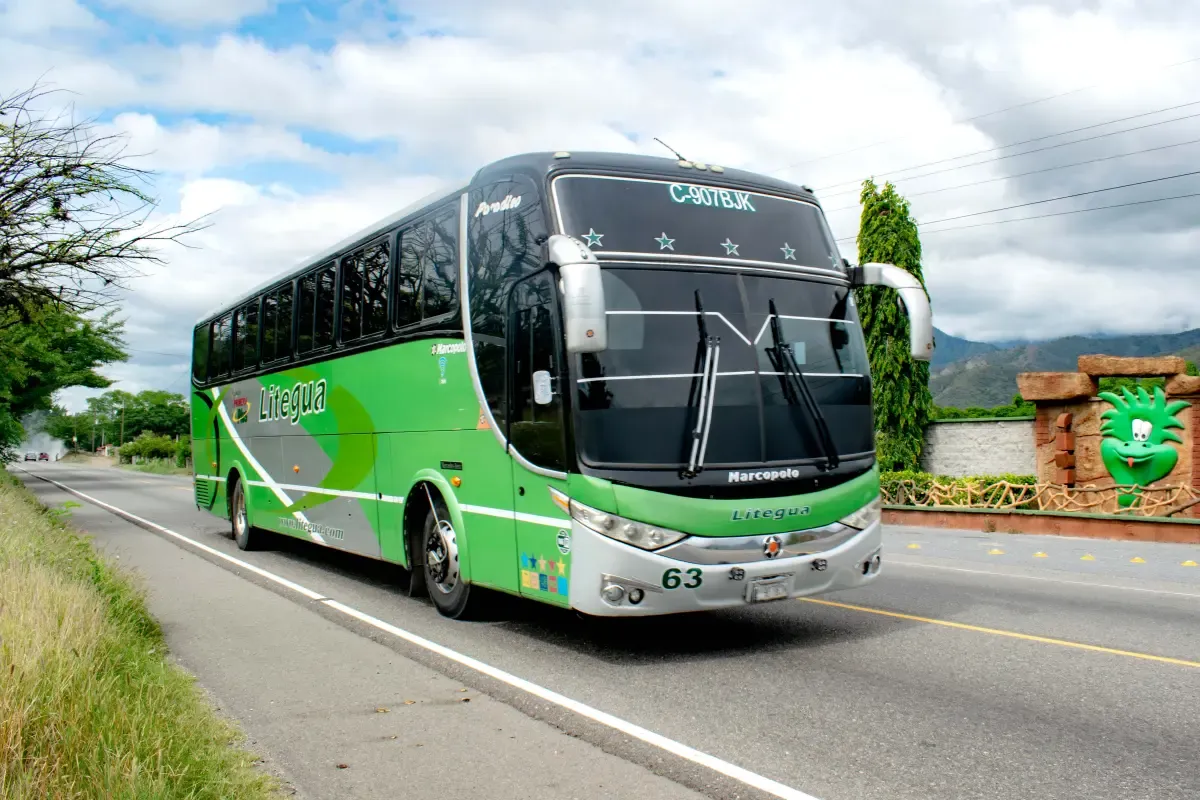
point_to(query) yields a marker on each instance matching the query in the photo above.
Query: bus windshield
(633, 398)
(661, 218)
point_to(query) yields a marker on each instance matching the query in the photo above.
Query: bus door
(536, 432)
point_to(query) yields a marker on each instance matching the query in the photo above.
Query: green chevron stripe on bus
(556, 381)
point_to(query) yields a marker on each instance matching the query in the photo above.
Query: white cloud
(194, 12)
(193, 148)
(36, 17)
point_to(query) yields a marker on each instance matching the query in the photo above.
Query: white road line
(733, 771)
(1042, 578)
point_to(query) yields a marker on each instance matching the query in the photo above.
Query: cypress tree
(903, 402)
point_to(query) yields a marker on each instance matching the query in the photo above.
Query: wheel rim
(441, 557)
(239, 512)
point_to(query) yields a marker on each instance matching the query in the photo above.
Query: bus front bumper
(652, 584)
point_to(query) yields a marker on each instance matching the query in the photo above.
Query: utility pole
(93, 433)
(122, 425)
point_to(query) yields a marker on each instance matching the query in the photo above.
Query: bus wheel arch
(241, 531)
(416, 508)
(432, 537)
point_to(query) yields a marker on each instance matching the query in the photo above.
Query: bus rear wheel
(451, 594)
(245, 535)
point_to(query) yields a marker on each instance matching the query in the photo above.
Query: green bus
(619, 384)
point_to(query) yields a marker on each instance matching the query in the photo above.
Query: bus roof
(533, 164)
(544, 163)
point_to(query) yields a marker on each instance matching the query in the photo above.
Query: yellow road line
(997, 632)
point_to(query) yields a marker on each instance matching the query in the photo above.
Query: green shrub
(149, 446)
(183, 451)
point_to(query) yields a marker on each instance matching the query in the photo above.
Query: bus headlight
(866, 516)
(638, 534)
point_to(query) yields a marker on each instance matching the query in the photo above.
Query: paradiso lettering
(483, 209)
(292, 404)
(713, 198)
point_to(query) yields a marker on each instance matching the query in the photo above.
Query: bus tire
(451, 595)
(239, 519)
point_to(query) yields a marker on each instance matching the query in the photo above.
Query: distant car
(31, 457)
(43, 456)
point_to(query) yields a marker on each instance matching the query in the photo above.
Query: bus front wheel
(443, 579)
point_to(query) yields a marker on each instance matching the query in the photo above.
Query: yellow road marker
(995, 551)
(914, 546)
(1137, 560)
(999, 632)
(1088, 557)
(1040, 554)
(1189, 564)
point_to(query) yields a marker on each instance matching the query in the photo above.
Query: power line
(1051, 214)
(968, 119)
(156, 353)
(1028, 141)
(1031, 172)
(1066, 213)
(1065, 197)
(1035, 150)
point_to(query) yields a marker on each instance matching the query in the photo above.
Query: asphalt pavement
(979, 665)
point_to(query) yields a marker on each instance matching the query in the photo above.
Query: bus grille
(204, 492)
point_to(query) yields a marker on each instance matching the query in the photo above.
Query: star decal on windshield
(593, 238)
(788, 252)
(730, 247)
(665, 243)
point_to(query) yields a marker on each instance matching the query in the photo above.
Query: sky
(294, 123)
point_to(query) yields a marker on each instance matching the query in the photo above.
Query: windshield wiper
(795, 388)
(708, 351)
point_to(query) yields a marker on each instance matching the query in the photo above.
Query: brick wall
(986, 447)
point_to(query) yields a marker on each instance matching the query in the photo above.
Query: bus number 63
(671, 579)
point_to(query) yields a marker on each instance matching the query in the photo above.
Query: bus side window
(283, 325)
(222, 338)
(245, 332)
(307, 314)
(352, 295)
(415, 243)
(270, 317)
(535, 430)
(326, 298)
(200, 354)
(374, 263)
(441, 270)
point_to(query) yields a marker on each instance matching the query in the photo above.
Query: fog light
(636, 595)
(613, 593)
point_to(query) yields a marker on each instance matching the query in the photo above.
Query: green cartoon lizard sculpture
(1136, 448)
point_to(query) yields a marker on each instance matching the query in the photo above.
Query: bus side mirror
(912, 295)
(585, 316)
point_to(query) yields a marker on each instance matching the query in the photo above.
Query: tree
(51, 349)
(148, 413)
(901, 396)
(73, 212)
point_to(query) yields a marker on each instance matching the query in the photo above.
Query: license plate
(764, 590)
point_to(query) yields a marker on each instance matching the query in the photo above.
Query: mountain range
(964, 373)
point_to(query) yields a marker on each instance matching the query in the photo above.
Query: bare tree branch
(74, 215)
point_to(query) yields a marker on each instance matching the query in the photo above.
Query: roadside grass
(89, 705)
(158, 466)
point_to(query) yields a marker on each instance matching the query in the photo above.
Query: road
(994, 666)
